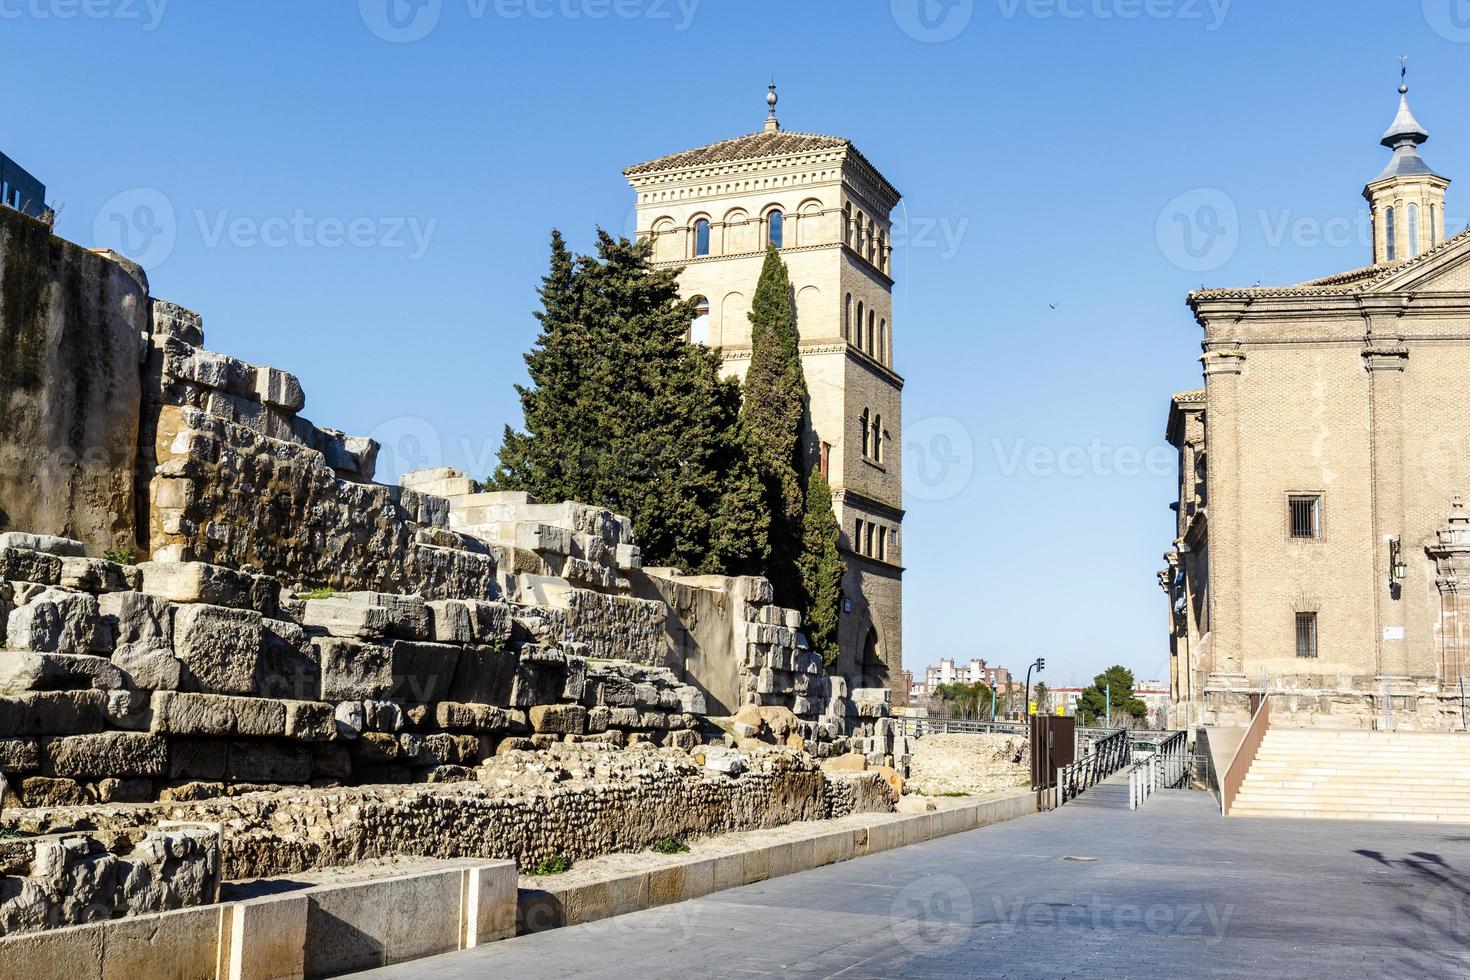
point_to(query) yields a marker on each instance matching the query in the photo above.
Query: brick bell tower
(714, 210)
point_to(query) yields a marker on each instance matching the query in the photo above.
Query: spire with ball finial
(1407, 198)
(772, 123)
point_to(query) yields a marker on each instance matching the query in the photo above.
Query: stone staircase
(1359, 775)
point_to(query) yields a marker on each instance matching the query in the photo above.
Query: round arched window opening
(775, 228)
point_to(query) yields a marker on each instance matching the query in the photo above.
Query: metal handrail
(1166, 768)
(1107, 756)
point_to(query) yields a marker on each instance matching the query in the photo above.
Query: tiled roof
(1346, 284)
(749, 147)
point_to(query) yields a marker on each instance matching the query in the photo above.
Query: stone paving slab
(1175, 890)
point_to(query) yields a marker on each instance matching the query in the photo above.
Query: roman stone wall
(75, 878)
(71, 323)
(578, 801)
(180, 680)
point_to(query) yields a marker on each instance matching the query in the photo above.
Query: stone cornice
(792, 171)
(870, 503)
(742, 353)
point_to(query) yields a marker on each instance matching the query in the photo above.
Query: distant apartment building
(1154, 695)
(950, 671)
(21, 191)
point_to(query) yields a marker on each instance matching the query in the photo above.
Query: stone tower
(1407, 199)
(713, 210)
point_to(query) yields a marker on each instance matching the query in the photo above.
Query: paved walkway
(1172, 890)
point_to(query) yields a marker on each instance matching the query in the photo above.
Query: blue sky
(365, 200)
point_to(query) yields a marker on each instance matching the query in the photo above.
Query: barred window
(1306, 634)
(1306, 516)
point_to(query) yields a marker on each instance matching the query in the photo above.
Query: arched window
(847, 318)
(863, 424)
(847, 224)
(872, 334)
(701, 237)
(878, 438)
(883, 252)
(882, 544)
(857, 327)
(872, 239)
(883, 341)
(775, 228)
(857, 538)
(1413, 230)
(699, 329)
(1391, 228)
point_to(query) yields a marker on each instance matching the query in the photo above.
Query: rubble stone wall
(67, 880)
(578, 802)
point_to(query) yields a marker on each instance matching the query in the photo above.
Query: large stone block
(219, 647)
(48, 544)
(279, 389)
(180, 713)
(251, 761)
(134, 617)
(484, 675)
(19, 755)
(310, 721)
(288, 666)
(211, 584)
(105, 754)
(197, 758)
(453, 716)
(344, 618)
(94, 575)
(22, 565)
(21, 672)
(409, 617)
(559, 719)
(53, 713)
(59, 621)
(149, 665)
(403, 670)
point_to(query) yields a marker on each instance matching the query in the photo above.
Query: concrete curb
(602, 889)
(311, 930)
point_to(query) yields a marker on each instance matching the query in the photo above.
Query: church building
(714, 211)
(1322, 531)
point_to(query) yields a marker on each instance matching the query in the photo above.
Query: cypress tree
(622, 412)
(821, 568)
(772, 422)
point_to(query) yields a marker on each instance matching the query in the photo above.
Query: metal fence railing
(1106, 757)
(1166, 767)
(917, 727)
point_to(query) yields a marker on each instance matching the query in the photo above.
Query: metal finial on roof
(1405, 130)
(772, 123)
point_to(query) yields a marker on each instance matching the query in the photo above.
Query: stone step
(1359, 798)
(1377, 785)
(1315, 814)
